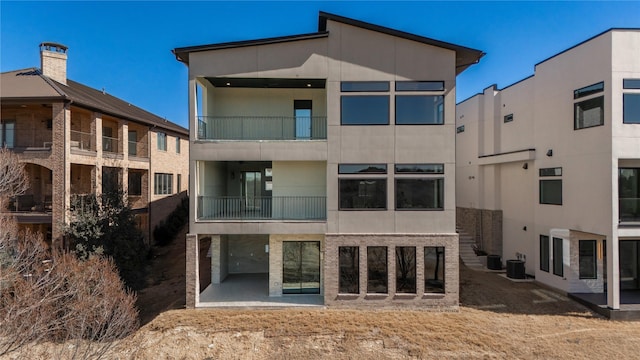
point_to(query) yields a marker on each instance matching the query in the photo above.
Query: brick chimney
(53, 61)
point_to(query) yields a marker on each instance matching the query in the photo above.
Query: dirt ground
(498, 319)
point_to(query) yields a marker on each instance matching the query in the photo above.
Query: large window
(362, 168)
(135, 183)
(558, 268)
(162, 141)
(405, 269)
(377, 282)
(587, 259)
(419, 109)
(631, 108)
(589, 113)
(544, 253)
(551, 192)
(419, 194)
(434, 269)
(163, 184)
(7, 134)
(362, 194)
(349, 267)
(629, 194)
(365, 110)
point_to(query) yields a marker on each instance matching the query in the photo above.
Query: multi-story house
(325, 163)
(548, 169)
(76, 140)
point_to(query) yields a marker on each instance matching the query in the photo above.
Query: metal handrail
(262, 128)
(262, 208)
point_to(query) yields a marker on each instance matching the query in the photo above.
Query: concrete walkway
(252, 290)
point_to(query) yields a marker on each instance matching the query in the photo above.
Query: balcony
(24, 138)
(138, 149)
(82, 141)
(262, 208)
(262, 128)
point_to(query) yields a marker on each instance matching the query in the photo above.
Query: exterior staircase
(467, 255)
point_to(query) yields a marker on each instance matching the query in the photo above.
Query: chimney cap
(51, 46)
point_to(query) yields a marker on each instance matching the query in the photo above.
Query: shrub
(167, 230)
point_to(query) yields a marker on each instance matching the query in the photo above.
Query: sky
(125, 47)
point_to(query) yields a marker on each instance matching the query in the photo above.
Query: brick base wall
(446, 301)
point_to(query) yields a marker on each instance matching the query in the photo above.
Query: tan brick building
(76, 140)
(324, 164)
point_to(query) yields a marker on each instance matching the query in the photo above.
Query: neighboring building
(76, 140)
(550, 168)
(325, 162)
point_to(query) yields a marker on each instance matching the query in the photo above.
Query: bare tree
(50, 297)
(14, 180)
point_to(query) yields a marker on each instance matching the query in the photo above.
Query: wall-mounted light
(471, 177)
(550, 152)
(525, 166)
(524, 228)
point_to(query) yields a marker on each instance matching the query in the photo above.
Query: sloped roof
(465, 56)
(30, 84)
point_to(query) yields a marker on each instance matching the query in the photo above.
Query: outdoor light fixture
(550, 152)
(525, 166)
(524, 228)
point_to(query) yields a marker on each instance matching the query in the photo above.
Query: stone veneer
(446, 301)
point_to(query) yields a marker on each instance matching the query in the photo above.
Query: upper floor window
(163, 184)
(162, 141)
(419, 168)
(362, 168)
(419, 109)
(355, 86)
(551, 189)
(364, 110)
(629, 194)
(631, 102)
(419, 85)
(135, 183)
(7, 133)
(177, 144)
(589, 112)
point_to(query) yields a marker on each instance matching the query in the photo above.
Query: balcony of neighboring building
(261, 191)
(82, 132)
(138, 142)
(26, 128)
(263, 115)
(35, 205)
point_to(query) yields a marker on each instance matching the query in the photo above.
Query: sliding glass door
(301, 267)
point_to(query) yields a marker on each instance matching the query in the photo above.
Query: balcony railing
(262, 128)
(82, 140)
(138, 149)
(30, 203)
(24, 137)
(629, 209)
(262, 208)
(110, 144)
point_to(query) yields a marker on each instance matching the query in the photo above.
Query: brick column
(60, 172)
(192, 276)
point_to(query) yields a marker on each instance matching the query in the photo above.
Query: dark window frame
(355, 268)
(628, 193)
(440, 253)
(340, 196)
(624, 108)
(593, 274)
(588, 90)
(406, 284)
(436, 172)
(631, 84)
(558, 257)
(436, 180)
(385, 277)
(404, 85)
(545, 253)
(131, 176)
(343, 97)
(361, 86)
(547, 172)
(343, 169)
(162, 184)
(576, 107)
(541, 193)
(438, 105)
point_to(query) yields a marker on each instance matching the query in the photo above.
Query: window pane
(557, 257)
(377, 270)
(135, 183)
(419, 168)
(544, 253)
(8, 134)
(420, 194)
(162, 141)
(419, 85)
(589, 113)
(588, 90)
(362, 168)
(588, 259)
(419, 109)
(631, 108)
(551, 171)
(363, 194)
(349, 263)
(364, 86)
(631, 84)
(406, 270)
(177, 145)
(365, 110)
(629, 194)
(434, 269)
(551, 192)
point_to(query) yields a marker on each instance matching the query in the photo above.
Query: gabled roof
(465, 56)
(31, 85)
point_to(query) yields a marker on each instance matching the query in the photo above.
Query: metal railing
(24, 137)
(30, 203)
(262, 128)
(629, 209)
(82, 140)
(110, 144)
(262, 208)
(138, 149)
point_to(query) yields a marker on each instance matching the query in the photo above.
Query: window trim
(157, 183)
(540, 192)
